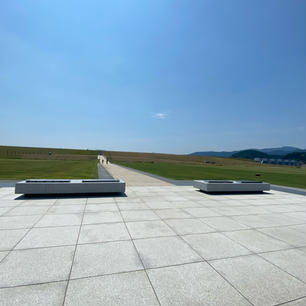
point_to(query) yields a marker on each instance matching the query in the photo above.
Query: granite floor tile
(259, 281)
(27, 211)
(25, 267)
(175, 213)
(133, 206)
(126, 289)
(293, 261)
(224, 224)
(201, 212)
(189, 226)
(9, 238)
(60, 220)
(66, 209)
(102, 217)
(71, 201)
(101, 207)
(4, 210)
(286, 234)
(139, 215)
(299, 302)
(105, 258)
(18, 222)
(160, 205)
(49, 237)
(100, 200)
(147, 229)
(193, 285)
(165, 251)
(103, 232)
(2, 255)
(256, 241)
(215, 245)
(51, 294)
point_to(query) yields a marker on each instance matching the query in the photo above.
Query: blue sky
(156, 76)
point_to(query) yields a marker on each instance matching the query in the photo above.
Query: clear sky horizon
(153, 76)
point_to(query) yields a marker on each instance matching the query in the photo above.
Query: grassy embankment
(22, 163)
(182, 167)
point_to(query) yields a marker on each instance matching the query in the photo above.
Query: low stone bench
(58, 186)
(231, 186)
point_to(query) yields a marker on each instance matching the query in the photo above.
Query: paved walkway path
(133, 178)
(103, 173)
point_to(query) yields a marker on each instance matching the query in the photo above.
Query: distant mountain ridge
(250, 154)
(215, 153)
(281, 151)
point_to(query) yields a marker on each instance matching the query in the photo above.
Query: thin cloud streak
(160, 116)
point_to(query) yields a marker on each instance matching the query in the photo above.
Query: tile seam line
(294, 300)
(119, 273)
(165, 220)
(257, 229)
(304, 282)
(75, 249)
(94, 276)
(154, 237)
(17, 206)
(276, 238)
(153, 289)
(183, 208)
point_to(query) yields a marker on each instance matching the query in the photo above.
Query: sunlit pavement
(158, 245)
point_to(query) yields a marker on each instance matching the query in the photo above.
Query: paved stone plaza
(158, 245)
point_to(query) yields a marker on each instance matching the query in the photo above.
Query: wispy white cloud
(160, 116)
(301, 128)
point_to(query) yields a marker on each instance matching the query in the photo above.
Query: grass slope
(175, 158)
(286, 176)
(26, 168)
(13, 150)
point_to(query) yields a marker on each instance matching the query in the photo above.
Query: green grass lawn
(286, 176)
(13, 151)
(25, 168)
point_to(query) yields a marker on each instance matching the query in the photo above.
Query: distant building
(279, 161)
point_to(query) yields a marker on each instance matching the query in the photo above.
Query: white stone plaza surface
(159, 245)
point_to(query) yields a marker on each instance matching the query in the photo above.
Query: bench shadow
(236, 193)
(70, 196)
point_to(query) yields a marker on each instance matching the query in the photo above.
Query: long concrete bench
(231, 186)
(41, 186)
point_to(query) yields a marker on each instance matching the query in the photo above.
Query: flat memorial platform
(231, 186)
(153, 246)
(58, 186)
